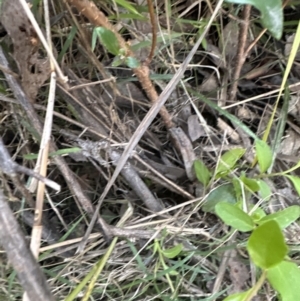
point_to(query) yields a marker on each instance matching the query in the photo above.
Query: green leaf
(107, 39)
(132, 62)
(117, 61)
(264, 190)
(228, 160)
(285, 279)
(234, 217)
(251, 184)
(127, 5)
(202, 172)
(284, 217)
(264, 155)
(67, 43)
(271, 14)
(173, 252)
(257, 215)
(266, 245)
(296, 182)
(223, 193)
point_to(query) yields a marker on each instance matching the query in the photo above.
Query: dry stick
(154, 32)
(241, 55)
(157, 105)
(9, 167)
(13, 241)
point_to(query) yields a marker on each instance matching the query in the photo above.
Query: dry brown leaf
(290, 145)
(238, 273)
(230, 36)
(229, 43)
(288, 47)
(195, 128)
(210, 84)
(186, 149)
(33, 66)
(294, 106)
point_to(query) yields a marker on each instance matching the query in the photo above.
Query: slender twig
(241, 57)
(9, 167)
(154, 32)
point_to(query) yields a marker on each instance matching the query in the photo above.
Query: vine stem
(257, 286)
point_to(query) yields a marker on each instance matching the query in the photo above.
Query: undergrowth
(228, 228)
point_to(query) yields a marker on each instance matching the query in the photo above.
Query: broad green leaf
(173, 252)
(228, 160)
(285, 279)
(264, 190)
(234, 217)
(251, 184)
(266, 245)
(202, 172)
(132, 62)
(264, 155)
(108, 40)
(223, 193)
(296, 182)
(271, 14)
(238, 296)
(284, 217)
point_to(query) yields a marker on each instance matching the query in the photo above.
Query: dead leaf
(288, 47)
(195, 128)
(294, 106)
(238, 273)
(290, 145)
(215, 55)
(210, 84)
(229, 43)
(32, 63)
(186, 149)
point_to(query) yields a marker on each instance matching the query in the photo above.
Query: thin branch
(13, 241)
(241, 55)
(154, 32)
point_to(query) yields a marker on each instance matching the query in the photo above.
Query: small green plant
(110, 42)
(271, 14)
(163, 255)
(266, 244)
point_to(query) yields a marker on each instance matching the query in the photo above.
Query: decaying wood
(20, 257)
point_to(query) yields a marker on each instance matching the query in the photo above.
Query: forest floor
(133, 118)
